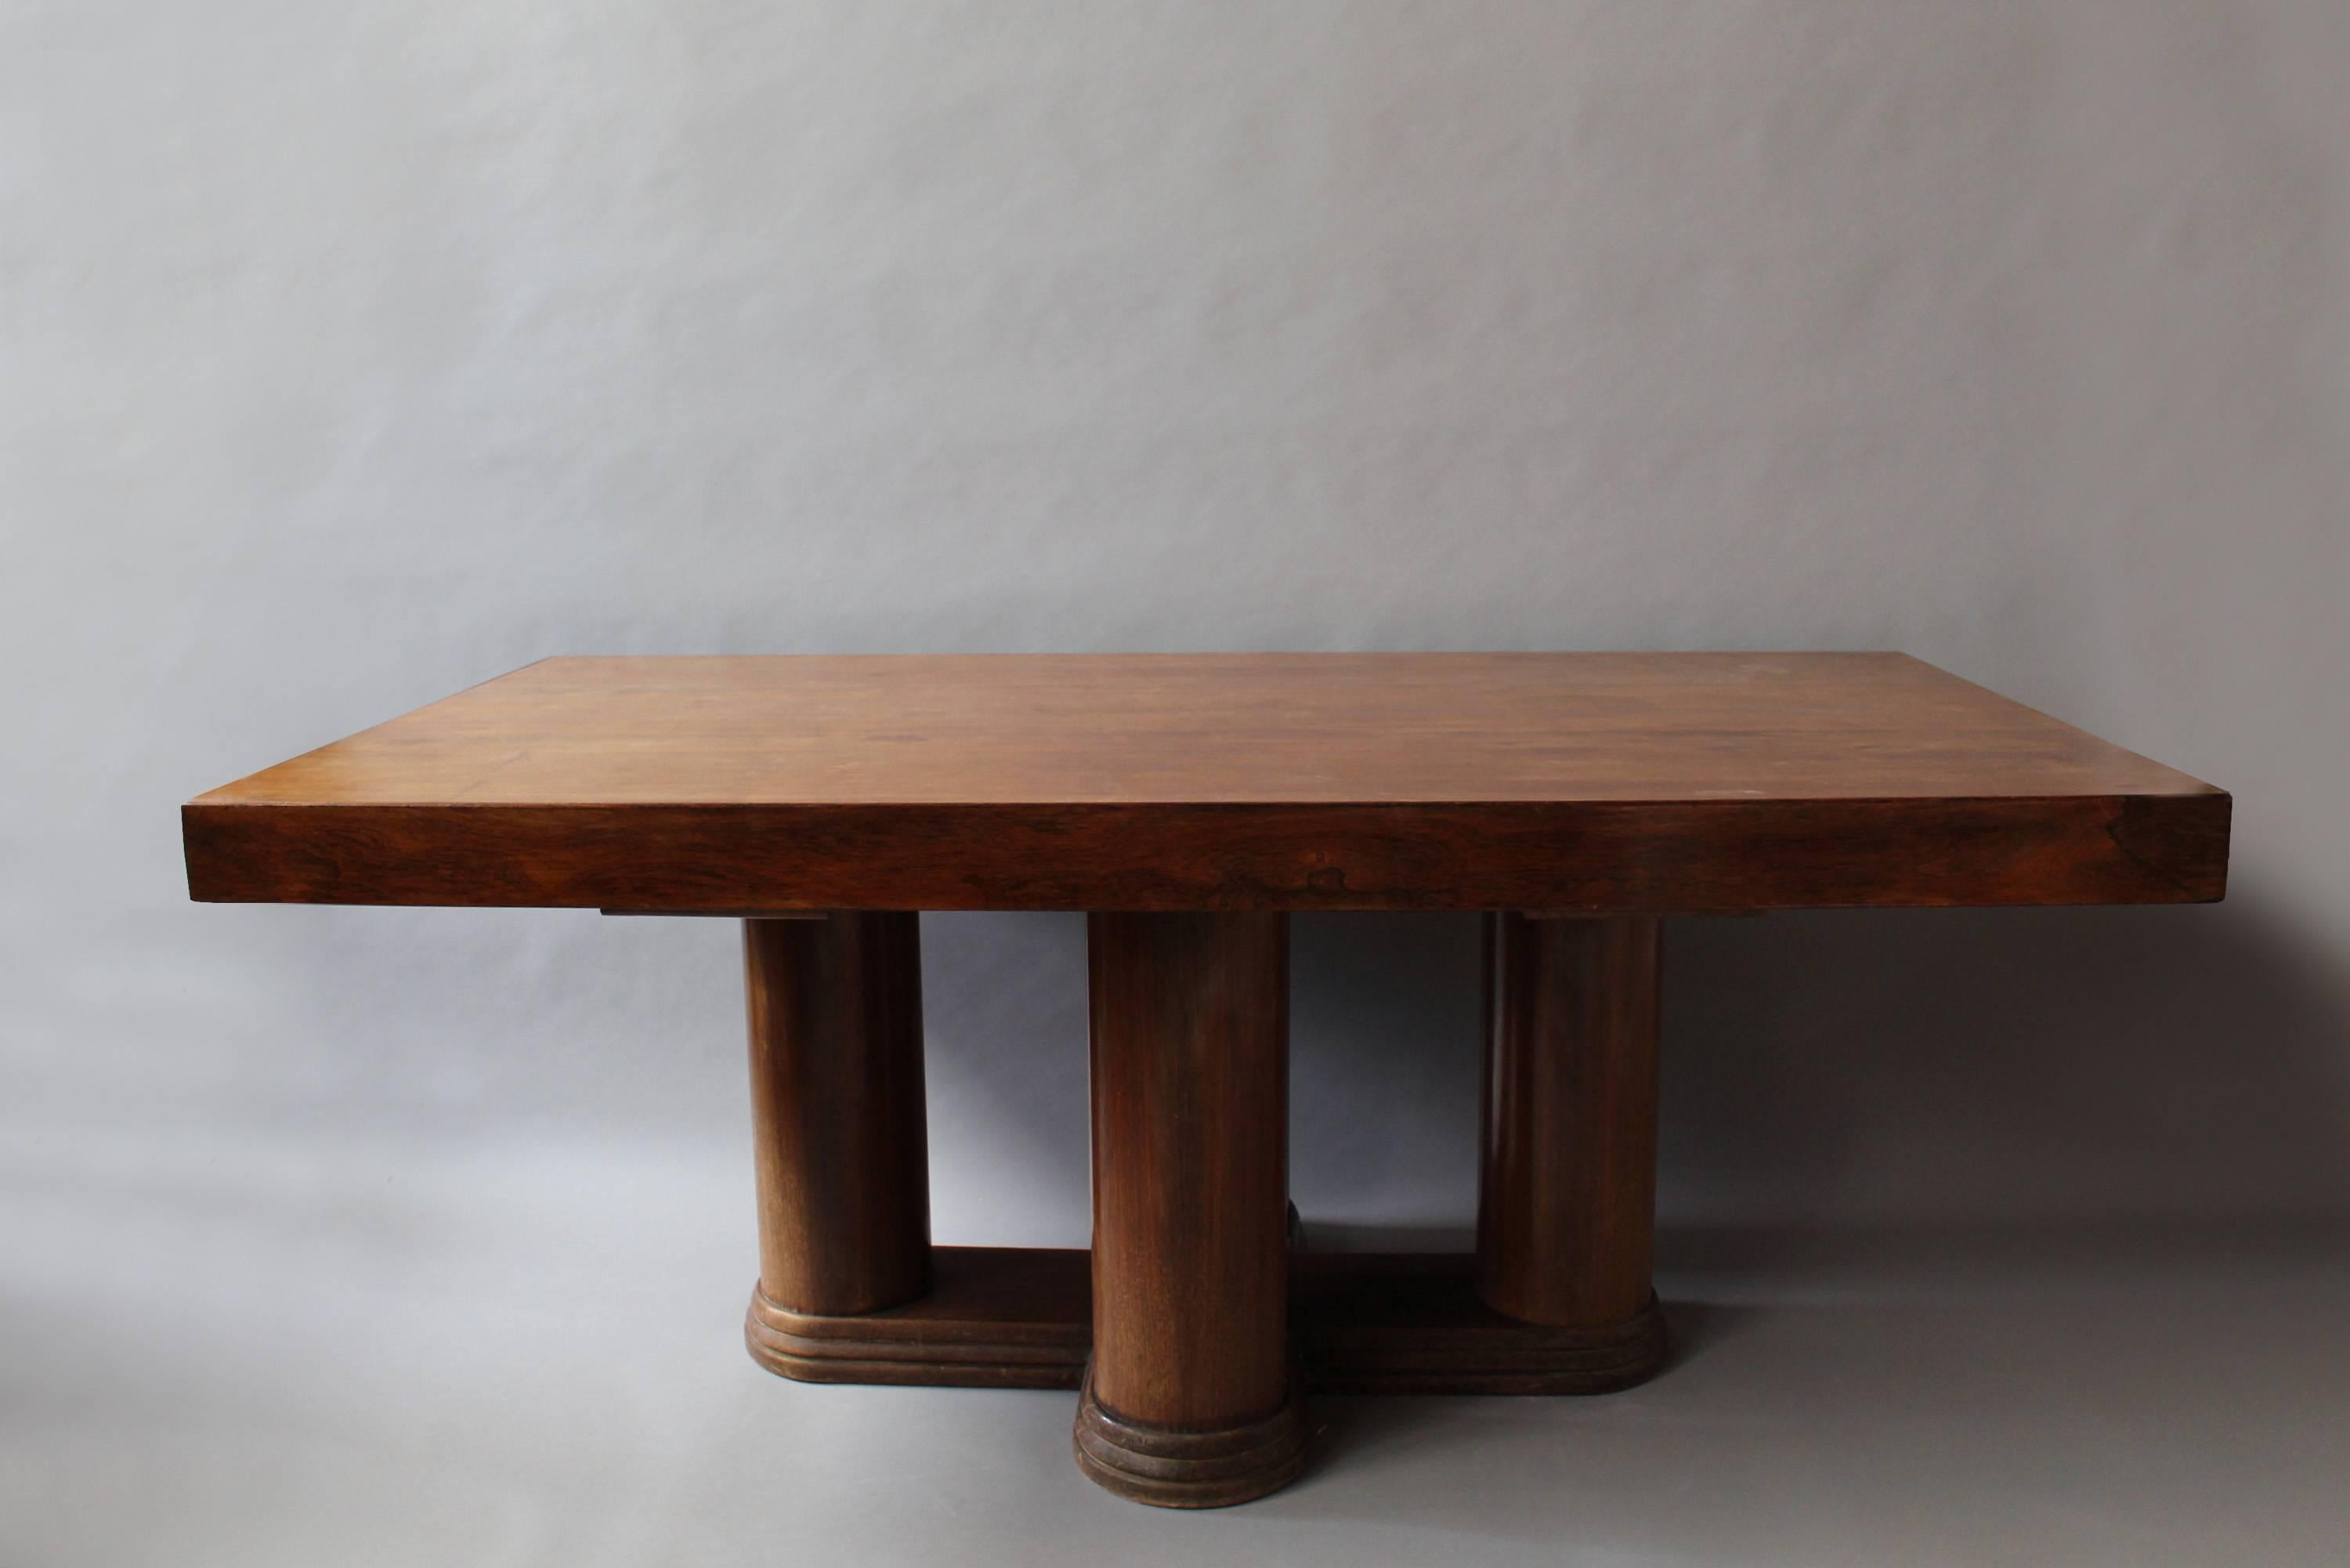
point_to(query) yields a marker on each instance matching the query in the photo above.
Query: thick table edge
(1598, 857)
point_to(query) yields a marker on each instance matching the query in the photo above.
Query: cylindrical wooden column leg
(839, 1133)
(1189, 1401)
(1567, 1189)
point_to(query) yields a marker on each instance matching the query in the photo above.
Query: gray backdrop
(353, 353)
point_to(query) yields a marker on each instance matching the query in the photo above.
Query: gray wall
(352, 353)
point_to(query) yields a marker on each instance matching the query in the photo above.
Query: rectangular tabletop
(1543, 780)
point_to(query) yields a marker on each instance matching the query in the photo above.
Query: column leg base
(1412, 1323)
(1363, 1323)
(1190, 1470)
(995, 1317)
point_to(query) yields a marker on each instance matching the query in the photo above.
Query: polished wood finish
(1568, 1175)
(1189, 1401)
(839, 1131)
(1588, 782)
(1413, 1322)
(1170, 1467)
(1362, 1322)
(1191, 800)
(994, 1317)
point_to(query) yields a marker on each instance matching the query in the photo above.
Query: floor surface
(279, 1356)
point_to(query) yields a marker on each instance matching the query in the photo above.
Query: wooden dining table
(1189, 803)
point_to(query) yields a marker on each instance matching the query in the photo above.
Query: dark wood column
(1567, 1189)
(1190, 1400)
(839, 1132)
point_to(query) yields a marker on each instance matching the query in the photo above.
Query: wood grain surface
(1566, 1191)
(1363, 1323)
(1568, 781)
(1413, 1322)
(1190, 1171)
(993, 1317)
(1188, 1401)
(839, 1131)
